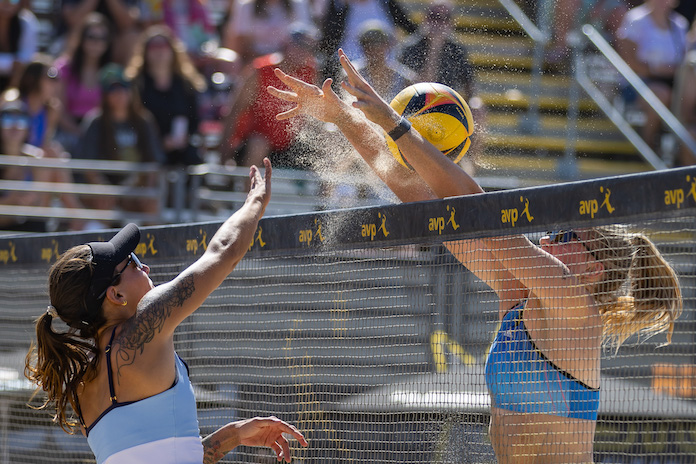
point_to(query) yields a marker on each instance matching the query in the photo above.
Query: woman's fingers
(283, 94)
(291, 113)
(296, 84)
(285, 446)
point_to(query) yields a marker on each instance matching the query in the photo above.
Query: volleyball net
(359, 327)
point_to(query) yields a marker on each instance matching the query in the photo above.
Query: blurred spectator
(604, 15)
(14, 133)
(123, 15)
(342, 24)
(19, 31)
(435, 53)
(652, 40)
(691, 38)
(121, 130)
(251, 130)
(79, 89)
(38, 88)
(169, 86)
(386, 75)
(15, 124)
(260, 27)
(684, 100)
(188, 19)
(222, 69)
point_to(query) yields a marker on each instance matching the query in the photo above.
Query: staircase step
(595, 135)
(545, 169)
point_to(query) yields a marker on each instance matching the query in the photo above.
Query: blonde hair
(640, 291)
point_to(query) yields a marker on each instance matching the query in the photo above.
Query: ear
(114, 297)
(594, 271)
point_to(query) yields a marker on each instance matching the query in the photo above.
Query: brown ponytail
(60, 361)
(640, 292)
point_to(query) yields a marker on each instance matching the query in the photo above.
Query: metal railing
(529, 121)
(156, 194)
(671, 122)
(567, 166)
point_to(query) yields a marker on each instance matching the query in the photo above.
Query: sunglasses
(97, 37)
(132, 258)
(16, 121)
(566, 236)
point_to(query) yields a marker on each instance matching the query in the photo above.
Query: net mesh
(375, 349)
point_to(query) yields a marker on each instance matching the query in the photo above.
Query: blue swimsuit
(520, 378)
(160, 429)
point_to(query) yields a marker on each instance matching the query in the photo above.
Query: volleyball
(439, 114)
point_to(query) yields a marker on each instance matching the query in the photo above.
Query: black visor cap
(105, 257)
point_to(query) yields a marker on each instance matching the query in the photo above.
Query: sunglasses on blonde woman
(566, 236)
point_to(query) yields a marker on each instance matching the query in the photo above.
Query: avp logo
(194, 244)
(144, 248)
(307, 235)
(592, 207)
(257, 239)
(511, 215)
(50, 253)
(677, 197)
(438, 223)
(370, 230)
(8, 254)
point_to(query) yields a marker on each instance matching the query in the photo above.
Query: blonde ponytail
(640, 292)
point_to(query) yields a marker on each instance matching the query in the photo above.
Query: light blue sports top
(160, 429)
(520, 378)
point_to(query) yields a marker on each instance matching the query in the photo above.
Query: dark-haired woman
(79, 89)
(116, 365)
(122, 130)
(168, 85)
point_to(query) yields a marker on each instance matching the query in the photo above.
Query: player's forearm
(219, 443)
(233, 238)
(444, 177)
(369, 142)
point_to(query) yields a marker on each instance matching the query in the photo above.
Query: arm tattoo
(211, 451)
(147, 323)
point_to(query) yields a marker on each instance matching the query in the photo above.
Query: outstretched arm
(259, 431)
(163, 308)
(440, 179)
(366, 138)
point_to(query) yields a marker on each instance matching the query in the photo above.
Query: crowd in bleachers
(164, 81)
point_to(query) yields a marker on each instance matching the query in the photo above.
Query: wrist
(401, 128)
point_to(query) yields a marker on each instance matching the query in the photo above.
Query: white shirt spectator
(654, 45)
(28, 43)
(269, 33)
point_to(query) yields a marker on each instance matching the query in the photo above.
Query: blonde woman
(559, 300)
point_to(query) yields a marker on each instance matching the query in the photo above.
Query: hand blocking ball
(439, 114)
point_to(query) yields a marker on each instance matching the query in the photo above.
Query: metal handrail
(118, 168)
(637, 83)
(525, 23)
(530, 121)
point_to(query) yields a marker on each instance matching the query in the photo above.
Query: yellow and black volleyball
(439, 114)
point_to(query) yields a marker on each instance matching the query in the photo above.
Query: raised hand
(322, 104)
(260, 187)
(367, 100)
